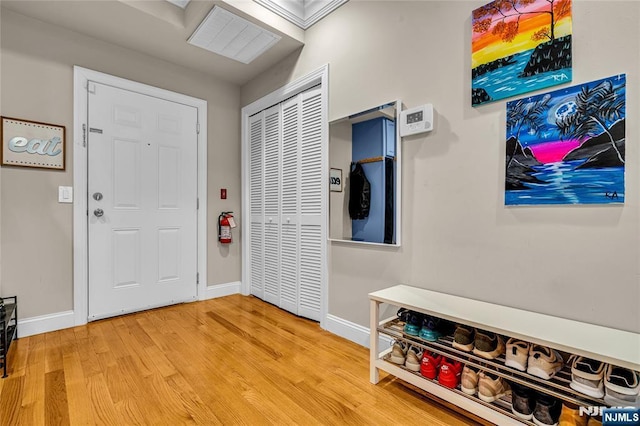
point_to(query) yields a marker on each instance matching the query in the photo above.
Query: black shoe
(522, 401)
(413, 324)
(547, 411)
(403, 314)
(488, 345)
(463, 338)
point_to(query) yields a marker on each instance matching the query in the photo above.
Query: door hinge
(197, 277)
(198, 128)
(91, 87)
(84, 135)
(197, 203)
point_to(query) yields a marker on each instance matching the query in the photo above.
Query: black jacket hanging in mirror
(359, 192)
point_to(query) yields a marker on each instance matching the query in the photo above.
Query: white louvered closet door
(272, 137)
(287, 238)
(256, 204)
(312, 239)
(290, 205)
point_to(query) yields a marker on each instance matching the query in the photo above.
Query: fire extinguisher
(225, 223)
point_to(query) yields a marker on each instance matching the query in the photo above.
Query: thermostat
(416, 120)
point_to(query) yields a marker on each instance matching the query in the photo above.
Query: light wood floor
(233, 360)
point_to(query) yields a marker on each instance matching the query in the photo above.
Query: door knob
(98, 212)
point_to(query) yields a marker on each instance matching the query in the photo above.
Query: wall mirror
(364, 197)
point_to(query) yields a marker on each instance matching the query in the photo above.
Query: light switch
(65, 194)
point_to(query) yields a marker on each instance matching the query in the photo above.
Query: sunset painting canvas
(567, 146)
(519, 46)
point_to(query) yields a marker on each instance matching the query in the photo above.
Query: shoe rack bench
(8, 328)
(600, 343)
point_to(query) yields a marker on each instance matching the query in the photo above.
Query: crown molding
(303, 18)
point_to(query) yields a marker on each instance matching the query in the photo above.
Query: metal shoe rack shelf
(601, 343)
(8, 328)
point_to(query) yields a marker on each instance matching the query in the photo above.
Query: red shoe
(450, 372)
(430, 364)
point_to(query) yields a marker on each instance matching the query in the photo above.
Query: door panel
(143, 160)
(169, 173)
(256, 252)
(290, 205)
(169, 254)
(272, 133)
(126, 254)
(126, 173)
(312, 243)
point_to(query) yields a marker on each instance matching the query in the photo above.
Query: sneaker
(547, 411)
(570, 416)
(430, 328)
(430, 364)
(522, 402)
(450, 372)
(469, 380)
(488, 345)
(517, 354)
(414, 323)
(491, 388)
(398, 353)
(544, 362)
(463, 338)
(403, 314)
(622, 386)
(586, 376)
(414, 358)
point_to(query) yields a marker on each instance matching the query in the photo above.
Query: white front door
(142, 201)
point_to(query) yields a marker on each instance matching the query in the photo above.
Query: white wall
(578, 262)
(37, 84)
(340, 158)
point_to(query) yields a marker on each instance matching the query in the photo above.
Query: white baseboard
(46, 323)
(221, 290)
(352, 331)
(60, 320)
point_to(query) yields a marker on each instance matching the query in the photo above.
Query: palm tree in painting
(597, 109)
(525, 115)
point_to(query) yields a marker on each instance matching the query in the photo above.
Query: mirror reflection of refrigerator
(373, 144)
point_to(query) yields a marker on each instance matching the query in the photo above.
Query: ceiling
(161, 29)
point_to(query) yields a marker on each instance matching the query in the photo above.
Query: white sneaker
(398, 353)
(517, 354)
(586, 376)
(414, 358)
(544, 362)
(491, 389)
(622, 386)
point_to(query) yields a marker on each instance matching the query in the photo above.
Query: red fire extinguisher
(225, 223)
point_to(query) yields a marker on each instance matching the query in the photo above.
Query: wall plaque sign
(335, 180)
(32, 144)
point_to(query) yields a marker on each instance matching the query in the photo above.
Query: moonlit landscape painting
(519, 46)
(567, 146)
